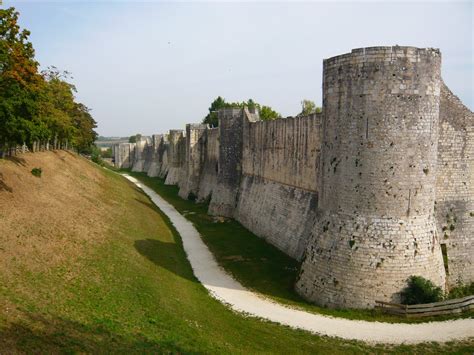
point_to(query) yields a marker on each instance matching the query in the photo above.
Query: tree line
(37, 108)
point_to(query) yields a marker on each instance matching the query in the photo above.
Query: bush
(106, 153)
(462, 291)
(36, 172)
(95, 156)
(421, 290)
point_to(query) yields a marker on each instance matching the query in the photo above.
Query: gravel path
(227, 290)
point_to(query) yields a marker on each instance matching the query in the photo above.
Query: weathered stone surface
(285, 150)
(455, 187)
(195, 151)
(123, 155)
(208, 178)
(224, 198)
(375, 226)
(140, 154)
(281, 214)
(278, 193)
(176, 156)
(152, 160)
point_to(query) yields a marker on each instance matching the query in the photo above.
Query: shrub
(36, 172)
(462, 291)
(421, 290)
(95, 155)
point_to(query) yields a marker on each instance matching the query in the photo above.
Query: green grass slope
(257, 264)
(134, 292)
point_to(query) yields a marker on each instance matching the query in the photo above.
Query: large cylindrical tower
(376, 222)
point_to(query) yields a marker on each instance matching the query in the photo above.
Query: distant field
(89, 265)
(110, 141)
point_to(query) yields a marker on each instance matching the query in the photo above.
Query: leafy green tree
(106, 153)
(36, 107)
(266, 112)
(211, 118)
(135, 138)
(84, 123)
(308, 107)
(19, 81)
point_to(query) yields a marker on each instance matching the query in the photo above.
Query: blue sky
(154, 66)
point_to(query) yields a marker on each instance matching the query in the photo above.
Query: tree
(266, 112)
(135, 138)
(19, 80)
(36, 107)
(308, 107)
(84, 123)
(211, 118)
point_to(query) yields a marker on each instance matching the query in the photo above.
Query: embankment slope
(87, 263)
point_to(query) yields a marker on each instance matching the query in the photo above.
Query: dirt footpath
(227, 290)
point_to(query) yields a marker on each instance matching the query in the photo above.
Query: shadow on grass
(147, 204)
(17, 161)
(35, 333)
(3, 185)
(163, 255)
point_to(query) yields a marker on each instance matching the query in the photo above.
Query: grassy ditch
(255, 263)
(126, 285)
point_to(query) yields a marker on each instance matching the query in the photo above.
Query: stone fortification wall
(224, 197)
(140, 154)
(148, 153)
(195, 150)
(176, 156)
(455, 187)
(284, 150)
(208, 179)
(123, 155)
(163, 156)
(377, 179)
(159, 158)
(152, 160)
(278, 193)
(372, 191)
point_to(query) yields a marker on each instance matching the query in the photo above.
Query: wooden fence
(453, 306)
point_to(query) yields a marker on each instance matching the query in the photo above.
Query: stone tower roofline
(388, 53)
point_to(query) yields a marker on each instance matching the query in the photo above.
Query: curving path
(228, 291)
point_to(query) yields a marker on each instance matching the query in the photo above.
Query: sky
(147, 67)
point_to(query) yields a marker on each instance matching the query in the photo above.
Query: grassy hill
(88, 264)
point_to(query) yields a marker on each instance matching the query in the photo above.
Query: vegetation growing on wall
(37, 107)
(266, 112)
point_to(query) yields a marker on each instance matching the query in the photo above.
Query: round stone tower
(376, 222)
